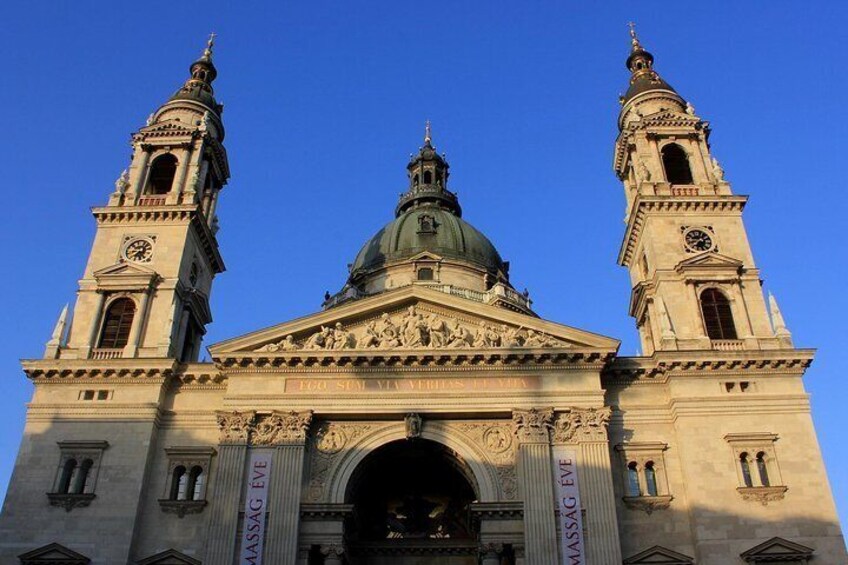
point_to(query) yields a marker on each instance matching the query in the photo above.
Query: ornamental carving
(235, 426)
(281, 427)
(330, 442)
(533, 424)
(582, 425)
(415, 330)
(763, 495)
(497, 442)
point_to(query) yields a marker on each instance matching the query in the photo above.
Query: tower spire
(207, 53)
(428, 137)
(640, 63)
(198, 87)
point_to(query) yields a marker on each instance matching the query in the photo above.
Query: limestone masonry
(426, 414)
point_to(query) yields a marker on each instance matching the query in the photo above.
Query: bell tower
(695, 283)
(145, 290)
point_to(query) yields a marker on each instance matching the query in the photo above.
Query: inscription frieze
(410, 385)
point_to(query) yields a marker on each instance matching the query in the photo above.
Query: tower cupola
(199, 85)
(646, 85)
(428, 178)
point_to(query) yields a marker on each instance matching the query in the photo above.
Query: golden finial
(209, 44)
(633, 39)
(427, 137)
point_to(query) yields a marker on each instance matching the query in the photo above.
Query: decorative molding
(497, 510)
(576, 425)
(532, 425)
(329, 441)
(280, 428)
(70, 501)
(648, 504)
(53, 553)
(763, 495)
(776, 550)
(235, 426)
(325, 511)
(182, 507)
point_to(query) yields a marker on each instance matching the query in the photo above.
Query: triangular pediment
(776, 549)
(658, 554)
(125, 276)
(169, 557)
(425, 256)
(710, 260)
(412, 318)
(53, 554)
(168, 127)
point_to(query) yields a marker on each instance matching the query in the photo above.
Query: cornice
(709, 363)
(143, 371)
(412, 359)
(645, 205)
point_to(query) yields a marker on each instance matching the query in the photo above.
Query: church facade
(426, 414)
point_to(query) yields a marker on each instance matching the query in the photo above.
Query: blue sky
(325, 101)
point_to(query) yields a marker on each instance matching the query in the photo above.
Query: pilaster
(535, 476)
(286, 432)
(223, 520)
(587, 430)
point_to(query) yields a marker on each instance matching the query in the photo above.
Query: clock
(139, 251)
(698, 240)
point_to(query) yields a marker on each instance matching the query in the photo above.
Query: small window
(162, 173)
(718, 317)
(76, 476)
(415, 180)
(651, 479)
(187, 479)
(117, 324)
(676, 164)
(633, 479)
(762, 469)
(425, 274)
(746, 470)
(88, 394)
(428, 177)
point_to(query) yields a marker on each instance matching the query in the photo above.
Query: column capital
(532, 425)
(491, 552)
(235, 426)
(576, 425)
(281, 428)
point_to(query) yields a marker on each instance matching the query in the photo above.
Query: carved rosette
(532, 425)
(330, 440)
(235, 426)
(576, 425)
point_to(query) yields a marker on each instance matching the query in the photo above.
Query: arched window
(195, 483)
(439, 178)
(415, 180)
(718, 318)
(746, 469)
(162, 173)
(80, 476)
(425, 274)
(633, 479)
(64, 486)
(651, 479)
(179, 482)
(676, 164)
(117, 324)
(428, 177)
(761, 469)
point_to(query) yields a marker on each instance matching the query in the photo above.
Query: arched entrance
(411, 503)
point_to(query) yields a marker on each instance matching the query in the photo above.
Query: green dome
(443, 234)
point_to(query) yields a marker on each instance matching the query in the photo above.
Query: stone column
(134, 338)
(490, 554)
(535, 476)
(224, 511)
(588, 429)
(332, 554)
(286, 432)
(97, 314)
(137, 186)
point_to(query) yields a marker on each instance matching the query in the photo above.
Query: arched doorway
(411, 503)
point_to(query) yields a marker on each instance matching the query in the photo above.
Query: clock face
(698, 240)
(139, 251)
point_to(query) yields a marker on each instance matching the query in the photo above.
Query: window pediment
(53, 554)
(125, 276)
(659, 555)
(778, 549)
(169, 557)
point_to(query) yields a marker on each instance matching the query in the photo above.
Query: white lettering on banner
(255, 506)
(568, 500)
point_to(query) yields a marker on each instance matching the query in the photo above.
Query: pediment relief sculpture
(415, 330)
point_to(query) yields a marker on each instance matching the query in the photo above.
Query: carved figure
(717, 170)
(493, 337)
(510, 336)
(534, 339)
(342, 339)
(318, 340)
(370, 336)
(413, 425)
(480, 337)
(690, 109)
(389, 334)
(644, 171)
(436, 331)
(149, 120)
(412, 329)
(122, 182)
(459, 336)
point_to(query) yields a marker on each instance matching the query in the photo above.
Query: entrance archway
(411, 503)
